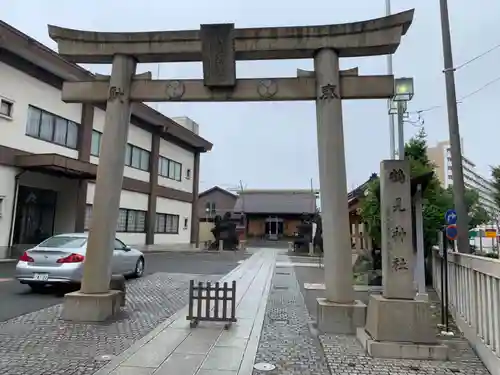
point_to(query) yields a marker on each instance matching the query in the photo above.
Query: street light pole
(392, 137)
(456, 151)
(401, 136)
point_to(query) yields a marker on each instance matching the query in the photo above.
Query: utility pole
(392, 136)
(456, 150)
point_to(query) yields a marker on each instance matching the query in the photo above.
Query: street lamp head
(403, 89)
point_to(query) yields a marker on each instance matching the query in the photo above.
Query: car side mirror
(126, 248)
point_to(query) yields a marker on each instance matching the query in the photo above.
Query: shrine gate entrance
(218, 47)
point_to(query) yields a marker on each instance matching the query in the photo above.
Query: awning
(57, 165)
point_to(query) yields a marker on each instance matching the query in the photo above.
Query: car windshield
(64, 242)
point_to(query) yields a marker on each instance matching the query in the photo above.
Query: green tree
(435, 199)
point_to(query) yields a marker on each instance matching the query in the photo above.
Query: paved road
(17, 299)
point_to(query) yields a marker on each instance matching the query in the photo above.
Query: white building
(440, 155)
(49, 151)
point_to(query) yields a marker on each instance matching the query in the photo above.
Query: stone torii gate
(218, 46)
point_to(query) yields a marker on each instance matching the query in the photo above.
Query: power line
(458, 67)
(476, 57)
(461, 100)
(480, 89)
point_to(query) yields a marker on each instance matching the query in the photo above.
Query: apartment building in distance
(49, 153)
(440, 155)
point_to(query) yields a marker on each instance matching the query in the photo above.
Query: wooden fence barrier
(209, 295)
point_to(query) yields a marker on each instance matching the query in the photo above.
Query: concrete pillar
(84, 145)
(195, 220)
(420, 261)
(333, 180)
(153, 188)
(97, 269)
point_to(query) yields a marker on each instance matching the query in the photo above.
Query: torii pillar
(218, 47)
(338, 312)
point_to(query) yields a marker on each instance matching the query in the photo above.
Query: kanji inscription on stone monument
(397, 248)
(397, 206)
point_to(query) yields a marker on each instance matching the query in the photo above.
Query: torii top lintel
(379, 36)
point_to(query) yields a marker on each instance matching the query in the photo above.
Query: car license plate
(41, 276)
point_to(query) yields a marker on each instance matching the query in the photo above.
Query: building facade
(275, 214)
(440, 155)
(215, 201)
(49, 153)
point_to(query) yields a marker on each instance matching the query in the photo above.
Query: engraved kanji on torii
(219, 46)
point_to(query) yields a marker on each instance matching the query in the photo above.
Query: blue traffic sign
(451, 232)
(450, 217)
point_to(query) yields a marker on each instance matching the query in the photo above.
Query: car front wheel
(139, 267)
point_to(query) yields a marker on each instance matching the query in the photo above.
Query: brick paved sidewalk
(287, 340)
(39, 343)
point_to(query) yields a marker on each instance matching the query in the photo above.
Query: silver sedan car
(59, 260)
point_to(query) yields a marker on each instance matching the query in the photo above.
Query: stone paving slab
(174, 348)
(40, 343)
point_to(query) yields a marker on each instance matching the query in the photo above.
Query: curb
(215, 252)
(8, 261)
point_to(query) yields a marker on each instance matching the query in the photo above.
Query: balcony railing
(474, 302)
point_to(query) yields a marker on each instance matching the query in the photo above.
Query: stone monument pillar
(338, 312)
(396, 226)
(95, 302)
(397, 325)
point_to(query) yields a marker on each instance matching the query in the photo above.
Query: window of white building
(6, 108)
(51, 128)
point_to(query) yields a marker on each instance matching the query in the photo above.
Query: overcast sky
(273, 145)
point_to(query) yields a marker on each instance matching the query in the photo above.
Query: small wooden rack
(209, 294)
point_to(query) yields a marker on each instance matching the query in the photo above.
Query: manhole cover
(264, 366)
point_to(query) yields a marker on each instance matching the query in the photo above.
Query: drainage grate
(281, 287)
(282, 273)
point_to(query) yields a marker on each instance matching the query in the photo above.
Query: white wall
(7, 186)
(186, 158)
(136, 136)
(131, 200)
(183, 209)
(25, 90)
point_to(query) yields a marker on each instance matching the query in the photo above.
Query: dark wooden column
(153, 187)
(84, 145)
(195, 220)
